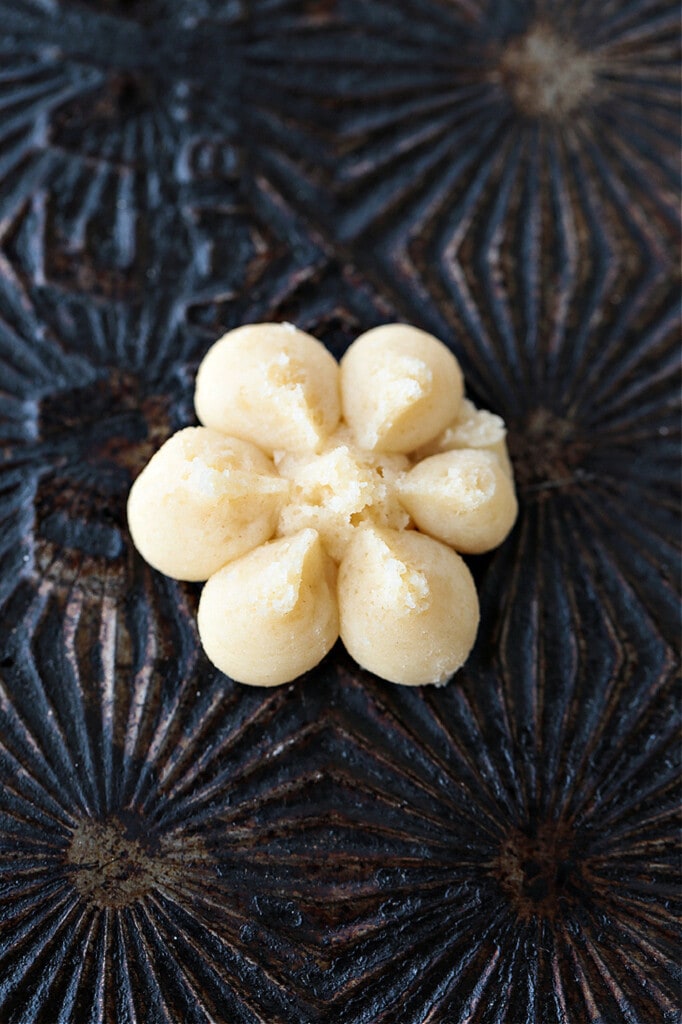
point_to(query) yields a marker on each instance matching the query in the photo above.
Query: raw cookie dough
(202, 500)
(320, 500)
(473, 428)
(400, 387)
(270, 384)
(408, 606)
(271, 615)
(463, 497)
(340, 488)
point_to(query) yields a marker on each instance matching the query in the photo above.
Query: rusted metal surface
(175, 847)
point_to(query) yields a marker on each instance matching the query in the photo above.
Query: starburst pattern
(523, 204)
(442, 177)
(145, 823)
(508, 842)
(91, 394)
(174, 847)
(87, 404)
(114, 148)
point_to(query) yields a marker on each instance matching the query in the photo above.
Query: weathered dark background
(175, 847)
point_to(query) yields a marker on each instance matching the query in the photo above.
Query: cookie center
(339, 489)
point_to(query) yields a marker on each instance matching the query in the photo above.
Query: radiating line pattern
(86, 399)
(127, 128)
(518, 841)
(173, 846)
(507, 225)
(510, 174)
(92, 388)
(130, 238)
(152, 821)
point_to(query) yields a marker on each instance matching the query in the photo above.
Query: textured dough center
(340, 489)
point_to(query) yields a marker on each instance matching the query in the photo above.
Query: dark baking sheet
(175, 847)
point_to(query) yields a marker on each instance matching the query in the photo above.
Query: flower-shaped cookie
(321, 499)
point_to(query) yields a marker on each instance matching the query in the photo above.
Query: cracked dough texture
(400, 388)
(202, 500)
(271, 615)
(462, 497)
(408, 606)
(339, 489)
(270, 384)
(473, 428)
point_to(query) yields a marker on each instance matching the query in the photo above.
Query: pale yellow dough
(462, 497)
(408, 606)
(473, 428)
(202, 500)
(271, 615)
(270, 384)
(400, 387)
(340, 488)
(319, 499)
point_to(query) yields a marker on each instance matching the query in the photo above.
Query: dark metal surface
(175, 847)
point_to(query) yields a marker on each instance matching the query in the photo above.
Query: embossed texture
(175, 847)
